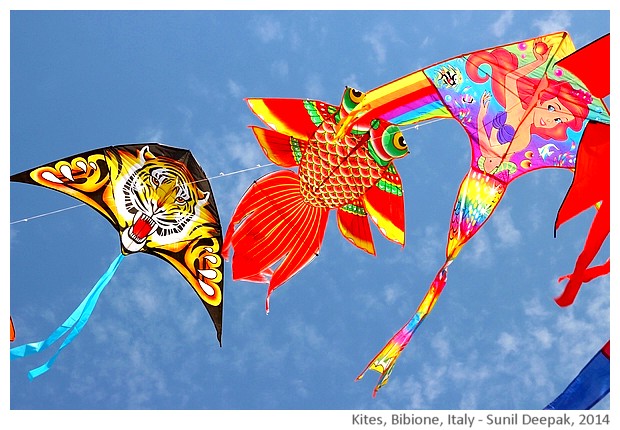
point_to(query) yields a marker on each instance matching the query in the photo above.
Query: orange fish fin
(272, 223)
(293, 117)
(12, 329)
(353, 224)
(283, 150)
(385, 204)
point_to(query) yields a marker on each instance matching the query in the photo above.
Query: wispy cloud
(236, 90)
(351, 81)
(504, 227)
(377, 45)
(429, 247)
(507, 343)
(555, 21)
(314, 87)
(379, 38)
(150, 133)
(478, 250)
(544, 337)
(279, 68)
(502, 24)
(268, 29)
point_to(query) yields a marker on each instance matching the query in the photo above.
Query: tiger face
(160, 202)
(155, 203)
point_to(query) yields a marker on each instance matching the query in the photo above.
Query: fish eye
(393, 142)
(356, 95)
(352, 98)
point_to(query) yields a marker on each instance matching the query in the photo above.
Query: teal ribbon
(76, 321)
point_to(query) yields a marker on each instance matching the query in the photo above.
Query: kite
(521, 112)
(592, 179)
(283, 215)
(159, 200)
(588, 387)
(590, 187)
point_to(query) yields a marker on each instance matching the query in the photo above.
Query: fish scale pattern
(335, 172)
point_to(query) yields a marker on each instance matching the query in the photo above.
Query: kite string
(48, 213)
(221, 175)
(258, 166)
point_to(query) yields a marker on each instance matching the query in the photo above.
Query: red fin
(384, 202)
(272, 223)
(283, 150)
(293, 117)
(353, 224)
(599, 230)
(590, 186)
(591, 64)
(591, 183)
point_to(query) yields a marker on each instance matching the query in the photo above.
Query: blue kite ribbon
(589, 386)
(76, 321)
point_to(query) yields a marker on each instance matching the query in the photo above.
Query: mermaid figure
(542, 107)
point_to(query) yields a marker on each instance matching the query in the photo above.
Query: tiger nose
(164, 194)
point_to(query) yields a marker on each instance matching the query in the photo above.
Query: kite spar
(159, 200)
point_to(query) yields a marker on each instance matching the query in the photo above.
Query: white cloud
(425, 42)
(469, 401)
(378, 47)
(543, 337)
(150, 134)
(378, 39)
(245, 152)
(268, 29)
(429, 250)
(393, 293)
(508, 343)
(352, 81)
(441, 344)
(504, 227)
(533, 308)
(500, 26)
(235, 89)
(414, 390)
(314, 87)
(280, 68)
(556, 21)
(478, 250)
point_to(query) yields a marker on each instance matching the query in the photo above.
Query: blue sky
(89, 79)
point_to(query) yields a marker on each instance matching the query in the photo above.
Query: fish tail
(385, 360)
(272, 223)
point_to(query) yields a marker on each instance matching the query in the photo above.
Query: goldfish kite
(282, 217)
(160, 201)
(521, 112)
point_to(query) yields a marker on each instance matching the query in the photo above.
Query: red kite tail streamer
(272, 222)
(582, 273)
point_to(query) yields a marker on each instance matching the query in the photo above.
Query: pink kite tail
(384, 361)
